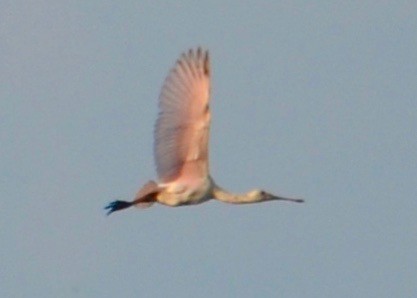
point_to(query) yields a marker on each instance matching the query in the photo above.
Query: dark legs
(117, 205)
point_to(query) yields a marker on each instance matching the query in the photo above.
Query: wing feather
(183, 124)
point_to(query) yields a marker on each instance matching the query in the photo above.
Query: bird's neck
(227, 197)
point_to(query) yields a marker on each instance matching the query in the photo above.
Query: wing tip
(200, 55)
(207, 63)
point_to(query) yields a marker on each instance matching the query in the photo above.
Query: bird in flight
(181, 139)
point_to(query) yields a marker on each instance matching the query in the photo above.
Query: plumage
(182, 127)
(181, 138)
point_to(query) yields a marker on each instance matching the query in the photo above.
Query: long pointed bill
(286, 199)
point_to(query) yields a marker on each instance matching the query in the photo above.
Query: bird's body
(175, 194)
(181, 143)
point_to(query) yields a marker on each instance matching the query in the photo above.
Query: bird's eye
(263, 193)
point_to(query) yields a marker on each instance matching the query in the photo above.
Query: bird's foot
(116, 206)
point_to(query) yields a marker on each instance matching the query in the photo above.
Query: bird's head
(259, 195)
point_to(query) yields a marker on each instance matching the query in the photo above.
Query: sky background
(310, 99)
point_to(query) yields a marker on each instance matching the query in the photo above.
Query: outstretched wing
(182, 128)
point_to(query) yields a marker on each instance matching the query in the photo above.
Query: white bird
(181, 143)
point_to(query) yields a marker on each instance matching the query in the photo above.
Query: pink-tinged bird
(181, 143)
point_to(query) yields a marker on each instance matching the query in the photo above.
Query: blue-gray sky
(312, 99)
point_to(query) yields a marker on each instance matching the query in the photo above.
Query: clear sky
(316, 99)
